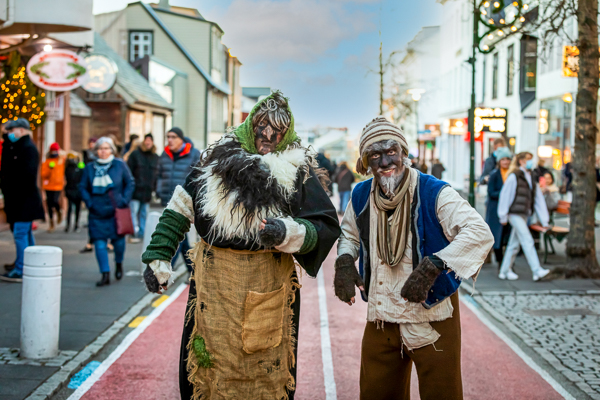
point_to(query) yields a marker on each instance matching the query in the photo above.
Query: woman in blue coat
(495, 183)
(106, 184)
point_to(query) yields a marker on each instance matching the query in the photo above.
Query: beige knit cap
(377, 130)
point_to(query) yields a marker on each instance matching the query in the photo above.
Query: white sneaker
(511, 276)
(540, 274)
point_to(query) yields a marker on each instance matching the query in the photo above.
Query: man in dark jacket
(490, 162)
(325, 163)
(143, 163)
(174, 165)
(22, 200)
(344, 179)
(437, 168)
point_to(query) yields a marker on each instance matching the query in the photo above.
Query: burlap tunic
(243, 312)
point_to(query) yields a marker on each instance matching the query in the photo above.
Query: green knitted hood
(246, 136)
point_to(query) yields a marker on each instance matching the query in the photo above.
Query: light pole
(416, 96)
(500, 18)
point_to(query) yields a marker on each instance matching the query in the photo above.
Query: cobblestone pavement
(563, 328)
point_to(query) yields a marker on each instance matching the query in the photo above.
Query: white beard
(389, 184)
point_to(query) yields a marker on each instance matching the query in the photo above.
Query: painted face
(267, 137)
(386, 161)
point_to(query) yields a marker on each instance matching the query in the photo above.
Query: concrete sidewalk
(86, 310)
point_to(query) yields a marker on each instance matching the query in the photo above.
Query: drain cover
(559, 312)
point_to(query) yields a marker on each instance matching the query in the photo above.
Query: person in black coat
(143, 163)
(19, 184)
(344, 179)
(73, 172)
(495, 183)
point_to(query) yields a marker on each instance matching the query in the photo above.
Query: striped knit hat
(377, 130)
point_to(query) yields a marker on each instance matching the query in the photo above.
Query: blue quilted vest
(427, 234)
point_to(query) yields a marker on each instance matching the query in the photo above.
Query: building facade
(203, 88)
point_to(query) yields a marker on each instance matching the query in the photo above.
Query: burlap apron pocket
(262, 328)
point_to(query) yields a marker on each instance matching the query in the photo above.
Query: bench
(558, 233)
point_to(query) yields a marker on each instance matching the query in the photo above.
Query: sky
(319, 53)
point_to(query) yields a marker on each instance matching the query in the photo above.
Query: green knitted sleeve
(310, 240)
(169, 232)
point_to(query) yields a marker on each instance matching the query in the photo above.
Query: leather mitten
(346, 278)
(419, 282)
(273, 234)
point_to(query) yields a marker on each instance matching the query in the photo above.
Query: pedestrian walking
(143, 163)
(521, 198)
(490, 162)
(88, 154)
(174, 165)
(325, 163)
(437, 169)
(106, 185)
(344, 178)
(73, 173)
(416, 238)
(539, 171)
(495, 183)
(567, 182)
(132, 139)
(22, 199)
(53, 183)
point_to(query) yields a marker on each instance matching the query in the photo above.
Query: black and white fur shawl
(237, 189)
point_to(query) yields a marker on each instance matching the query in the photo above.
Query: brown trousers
(386, 363)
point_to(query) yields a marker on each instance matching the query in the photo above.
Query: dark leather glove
(150, 280)
(419, 282)
(273, 234)
(346, 278)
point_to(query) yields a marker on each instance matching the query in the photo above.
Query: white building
(518, 75)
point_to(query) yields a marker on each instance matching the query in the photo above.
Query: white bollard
(151, 222)
(40, 304)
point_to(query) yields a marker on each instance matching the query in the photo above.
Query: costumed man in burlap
(258, 204)
(416, 238)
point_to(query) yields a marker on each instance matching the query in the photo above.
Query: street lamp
(498, 17)
(416, 96)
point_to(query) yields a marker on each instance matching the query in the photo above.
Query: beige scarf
(393, 233)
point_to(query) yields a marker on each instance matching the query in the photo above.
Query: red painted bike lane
(148, 368)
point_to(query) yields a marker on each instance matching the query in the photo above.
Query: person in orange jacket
(53, 182)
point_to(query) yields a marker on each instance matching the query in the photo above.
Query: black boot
(119, 271)
(105, 279)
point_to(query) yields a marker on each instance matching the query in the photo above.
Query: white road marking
(473, 306)
(330, 390)
(129, 339)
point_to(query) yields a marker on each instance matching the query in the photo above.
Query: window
(528, 63)
(140, 45)
(510, 69)
(495, 77)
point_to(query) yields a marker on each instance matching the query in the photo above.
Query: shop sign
(543, 122)
(490, 120)
(102, 73)
(57, 70)
(570, 64)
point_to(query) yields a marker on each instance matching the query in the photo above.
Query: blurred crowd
(115, 183)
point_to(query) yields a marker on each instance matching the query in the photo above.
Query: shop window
(140, 44)
(510, 69)
(495, 77)
(528, 64)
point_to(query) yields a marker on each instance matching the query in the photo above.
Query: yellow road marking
(136, 322)
(159, 301)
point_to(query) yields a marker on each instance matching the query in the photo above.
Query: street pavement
(148, 367)
(521, 339)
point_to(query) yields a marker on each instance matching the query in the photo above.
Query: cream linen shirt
(470, 242)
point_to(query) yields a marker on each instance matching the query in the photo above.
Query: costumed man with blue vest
(416, 239)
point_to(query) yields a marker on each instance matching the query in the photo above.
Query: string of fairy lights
(20, 98)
